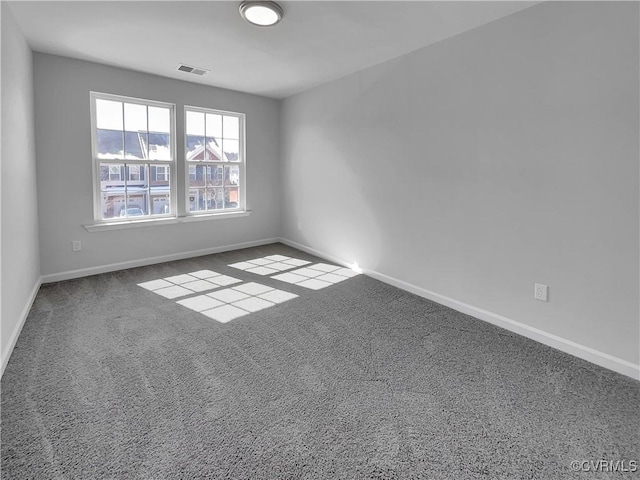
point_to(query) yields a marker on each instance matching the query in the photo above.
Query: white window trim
(97, 204)
(242, 165)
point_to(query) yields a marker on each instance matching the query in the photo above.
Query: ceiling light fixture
(261, 13)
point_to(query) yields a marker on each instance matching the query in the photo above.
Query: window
(161, 173)
(114, 173)
(134, 173)
(214, 155)
(130, 138)
(135, 164)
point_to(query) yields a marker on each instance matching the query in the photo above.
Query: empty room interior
(320, 240)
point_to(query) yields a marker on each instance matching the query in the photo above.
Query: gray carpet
(357, 380)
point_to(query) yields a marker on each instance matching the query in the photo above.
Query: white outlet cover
(540, 292)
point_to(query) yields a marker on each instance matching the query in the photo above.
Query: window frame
(241, 164)
(171, 164)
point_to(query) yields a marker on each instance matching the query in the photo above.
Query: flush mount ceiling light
(261, 13)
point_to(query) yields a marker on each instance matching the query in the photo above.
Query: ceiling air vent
(194, 70)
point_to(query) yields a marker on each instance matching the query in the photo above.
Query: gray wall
(63, 146)
(477, 166)
(20, 263)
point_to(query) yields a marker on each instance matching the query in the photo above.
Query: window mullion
(147, 179)
(126, 192)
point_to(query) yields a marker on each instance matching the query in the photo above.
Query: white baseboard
(84, 272)
(6, 354)
(581, 351)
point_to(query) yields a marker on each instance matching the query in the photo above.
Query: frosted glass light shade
(261, 13)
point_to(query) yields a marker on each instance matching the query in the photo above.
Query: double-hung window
(214, 159)
(133, 144)
(135, 165)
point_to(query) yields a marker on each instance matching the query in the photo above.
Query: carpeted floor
(110, 380)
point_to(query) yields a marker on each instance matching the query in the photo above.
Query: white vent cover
(195, 70)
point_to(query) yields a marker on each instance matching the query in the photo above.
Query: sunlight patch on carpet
(231, 303)
(317, 276)
(269, 265)
(188, 283)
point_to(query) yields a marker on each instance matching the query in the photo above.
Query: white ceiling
(317, 41)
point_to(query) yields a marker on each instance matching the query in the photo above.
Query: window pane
(108, 114)
(195, 123)
(136, 205)
(195, 148)
(214, 125)
(136, 177)
(211, 200)
(160, 175)
(199, 177)
(135, 117)
(112, 177)
(213, 149)
(231, 149)
(159, 146)
(231, 175)
(231, 182)
(159, 120)
(161, 191)
(109, 143)
(112, 203)
(133, 173)
(197, 200)
(231, 196)
(214, 200)
(231, 127)
(115, 173)
(161, 203)
(135, 145)
(207, 171)
(216, 176)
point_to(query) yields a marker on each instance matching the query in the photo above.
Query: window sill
(101, 227)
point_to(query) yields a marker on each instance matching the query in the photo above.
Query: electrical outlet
(540, 292)
(76, 245)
